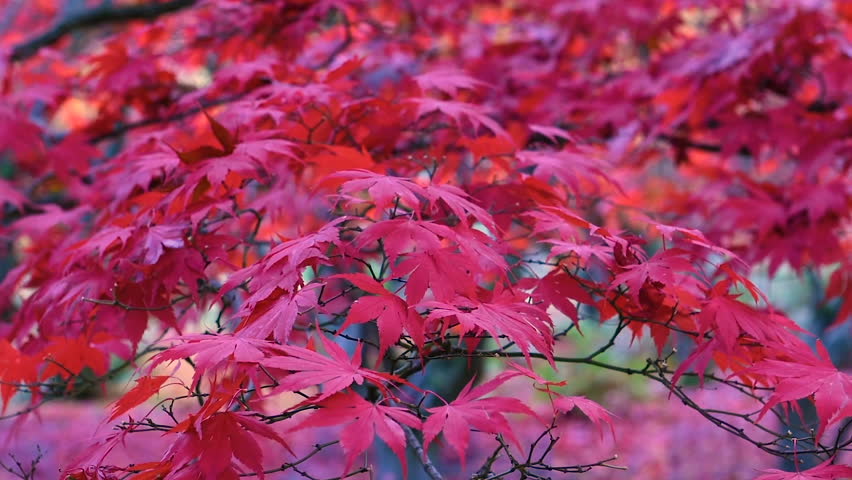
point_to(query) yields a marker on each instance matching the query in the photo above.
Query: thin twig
(428, 466)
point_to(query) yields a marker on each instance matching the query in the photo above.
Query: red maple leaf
(659, 270)
(727, 316)
(383, 189)
(391, 313)
(559, 289)
(362, 421)
(587, 254)
(469, 410)
(334, 372)
(215, 352)
(596, 413)
(281, 268)
(524, 324)
(568, 223)
(810, 375)
(210, 446)
(402, 235)
(276, 314)
(823, 471)
(154, 239)
(447, 80)
(69, 356)
(144, 389)
(444, 272)
(575, 167)
(551, 133)
(459, 111)
(15, 368)
(460, 204)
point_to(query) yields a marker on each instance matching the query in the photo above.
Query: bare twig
(428, 466)
(28, 473)
(683, 142)
(147, 122)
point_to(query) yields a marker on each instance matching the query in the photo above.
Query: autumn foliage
(370, 238)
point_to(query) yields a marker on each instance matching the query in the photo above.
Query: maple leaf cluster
(289, 217)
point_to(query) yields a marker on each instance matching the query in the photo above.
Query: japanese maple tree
(350, 238)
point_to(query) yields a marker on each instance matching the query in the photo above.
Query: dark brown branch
(103, 14)
(292, 465)
(428, 466)
(683, 142)
(147, 122)
(117, 303)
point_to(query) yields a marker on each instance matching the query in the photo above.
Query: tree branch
(121, 129)
(103, 14)
(683, 142)
(428, 466)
